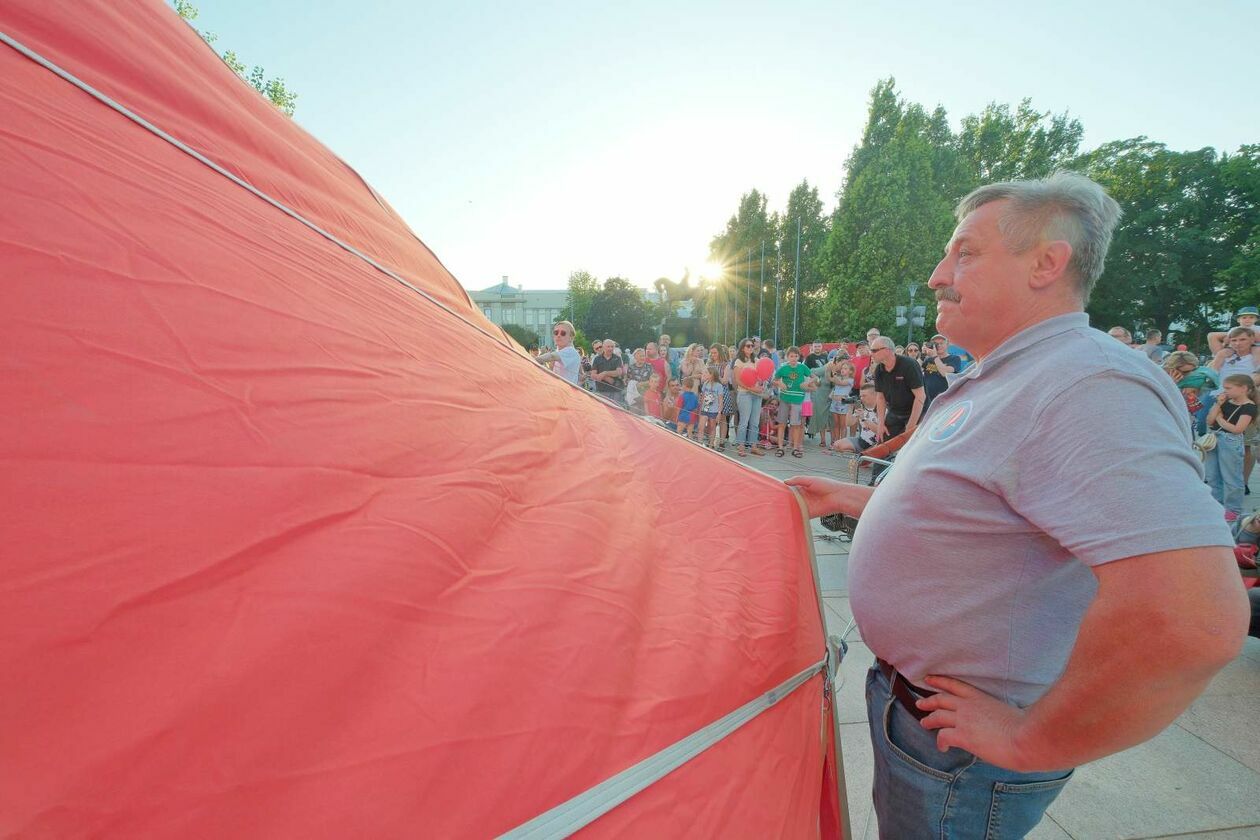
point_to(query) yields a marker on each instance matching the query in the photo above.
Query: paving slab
(839, 605)
(1251, 649)
(1242, 832)
(1175, 783)
(1240, 677)
(833, 572)
(859, 771)
(851, 688)
(1229, 723)
(1048, 829)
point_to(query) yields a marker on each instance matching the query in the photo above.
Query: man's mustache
(947, 294)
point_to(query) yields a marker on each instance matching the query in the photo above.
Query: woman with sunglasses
(565, 359)
(747, 400)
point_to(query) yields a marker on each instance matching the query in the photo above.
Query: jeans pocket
(1017, 807)
(904, 753)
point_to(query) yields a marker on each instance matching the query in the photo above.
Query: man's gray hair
(1065, 206)
(883, 342)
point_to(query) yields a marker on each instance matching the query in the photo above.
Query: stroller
(869, 466)
(767, 424)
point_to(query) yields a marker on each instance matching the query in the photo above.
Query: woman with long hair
(693, 363)
(747, 400)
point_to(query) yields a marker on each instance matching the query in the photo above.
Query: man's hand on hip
(965, 717)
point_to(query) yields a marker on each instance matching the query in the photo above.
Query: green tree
(524, 336)
(274, 89)
(803, 206)
(892, 218)
(620, 312)
(583, 287)
(1240, 174)
(883, 117)
(998, 145)
(1178, 238)
(739, 247)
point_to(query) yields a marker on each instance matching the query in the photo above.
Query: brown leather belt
(905, 691)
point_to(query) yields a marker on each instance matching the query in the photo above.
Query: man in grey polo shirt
(1027, 616)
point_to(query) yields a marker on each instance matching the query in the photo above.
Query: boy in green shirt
(792, 380)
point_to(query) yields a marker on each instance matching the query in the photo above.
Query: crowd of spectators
(1220, 395)
(752, 398)
(848, 396)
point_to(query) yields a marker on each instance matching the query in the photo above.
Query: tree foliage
(998, 145)
(739, 248)
(274, 89)
(526, 337)
(1181, 246)
(619, 311)
(582, 290)
(1240, 175)
(888, 232)
(805, 214)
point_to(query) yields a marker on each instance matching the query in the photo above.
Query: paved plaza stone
(1200, 778)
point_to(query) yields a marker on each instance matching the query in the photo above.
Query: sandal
(741, 452)
(798, 453)
(778, 453)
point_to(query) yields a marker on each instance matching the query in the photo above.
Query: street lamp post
(796, 296)
(748, 292)
(778, 295)
(914, 287)
(761, 295)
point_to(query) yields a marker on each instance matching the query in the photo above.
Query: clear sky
(534, 139)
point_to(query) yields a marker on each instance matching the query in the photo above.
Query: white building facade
(534, 309)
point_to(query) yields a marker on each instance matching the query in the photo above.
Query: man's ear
(1051, 263)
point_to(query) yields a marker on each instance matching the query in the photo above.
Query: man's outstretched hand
(825, 496)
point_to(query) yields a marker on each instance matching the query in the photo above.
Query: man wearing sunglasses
(564, 360)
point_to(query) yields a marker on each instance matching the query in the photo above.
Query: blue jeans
(1223, 470)
(749, 406)
(923, 793)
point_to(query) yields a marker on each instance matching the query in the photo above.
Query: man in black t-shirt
(938, 366)
(607, 371)
(899, 389)
(817, 356)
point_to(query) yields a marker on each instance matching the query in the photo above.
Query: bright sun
(711, 270)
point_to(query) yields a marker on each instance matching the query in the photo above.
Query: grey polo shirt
(1062, 450)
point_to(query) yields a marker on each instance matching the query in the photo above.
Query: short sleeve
(914, 374)
(1107, 471)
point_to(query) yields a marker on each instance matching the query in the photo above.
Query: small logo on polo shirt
(951, 421)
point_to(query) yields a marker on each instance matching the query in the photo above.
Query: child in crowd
(867, 424)
(792, 380)
(711, 394)
(1229, 417)
(842, 376)
(688, 408)
(671, 402)
(652, 396)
